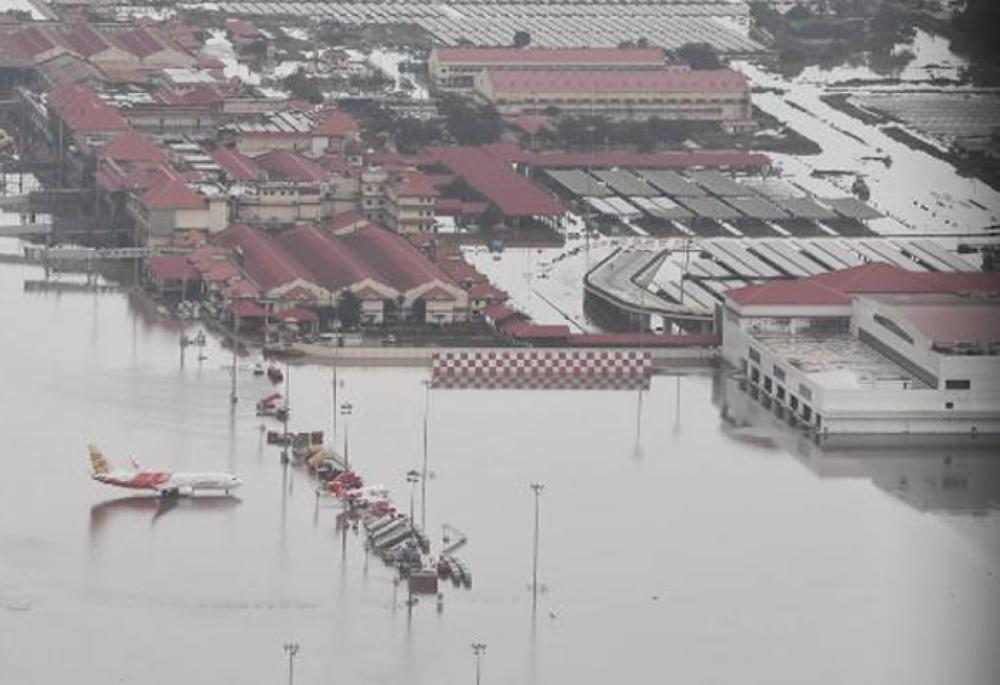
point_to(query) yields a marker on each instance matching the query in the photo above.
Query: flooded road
(676, 545)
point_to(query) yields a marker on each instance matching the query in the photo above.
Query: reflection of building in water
(959, 474)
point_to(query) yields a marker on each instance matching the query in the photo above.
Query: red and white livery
(164, 483)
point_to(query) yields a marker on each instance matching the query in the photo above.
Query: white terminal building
(873, 349)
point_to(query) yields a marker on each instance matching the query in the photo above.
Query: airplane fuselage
(170, 483)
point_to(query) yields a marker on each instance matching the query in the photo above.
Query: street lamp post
(479, 649)
(537, 488)
(346, 409)
(423, 473)
(412, 476)
(292, 649)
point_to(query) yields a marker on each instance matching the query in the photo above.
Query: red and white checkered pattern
(539, 367)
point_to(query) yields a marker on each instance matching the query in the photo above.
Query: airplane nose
(236, 482)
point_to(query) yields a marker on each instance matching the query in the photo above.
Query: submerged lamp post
(292, 649)
(346, 409)
(412, 476)
(479, 649)
(537, 488)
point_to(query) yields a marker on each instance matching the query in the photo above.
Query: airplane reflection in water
(102, 512)
(929, 472)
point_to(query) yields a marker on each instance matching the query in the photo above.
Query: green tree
(699, 56)
(522, 39)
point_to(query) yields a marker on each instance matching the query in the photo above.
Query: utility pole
(479, 649)
(423, 475)
(412, 476)
(236, 343)
(537, 488)
(346, 409)
(334, 404)
(292, 649)
(285, 415)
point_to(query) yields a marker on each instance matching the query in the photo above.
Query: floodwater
(676, 545)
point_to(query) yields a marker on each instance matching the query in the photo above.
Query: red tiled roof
(240, 289)
(171, 193)
(264, 260)
(482, 291)
(551, 55)
(246, 309)
(616, 81)
(393, 257)
(220, 272)
(498, 313)
(414, 184)
(345, 220)
(835, 288)
(84, 111)
(237, 166)
(132, 147)
(140, 41)
(513, 194)
(287, 165)
(206, 255)
(336, 123)
(172, 268)
(335, 266)
(84, 40)
(35, 41)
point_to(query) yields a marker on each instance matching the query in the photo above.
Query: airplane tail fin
(98, 462)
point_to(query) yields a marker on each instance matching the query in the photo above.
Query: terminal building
(455, 69)
(873, 349)
(636, 95)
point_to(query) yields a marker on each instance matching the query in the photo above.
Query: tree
(521, 39)
(348, 309)
(303, 86)
(699, 56)
(471, 124)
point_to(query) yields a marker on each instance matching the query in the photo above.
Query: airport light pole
(346, 409)
(292, 649)
(537, 488)
(423, 473)
(412, 476)
(479, 649)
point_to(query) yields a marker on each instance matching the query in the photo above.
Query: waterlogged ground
(675, 545)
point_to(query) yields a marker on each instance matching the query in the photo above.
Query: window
(780, 393)
(755, 375)
(767, 383)
(779, 373)
(949, 405)
(806, 412)
(952, 384)
(892, 327)
(805, 392)
(793, 401)
(754, 354)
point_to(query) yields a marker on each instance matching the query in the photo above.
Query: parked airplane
(164, 483)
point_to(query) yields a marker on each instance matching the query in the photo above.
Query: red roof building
(285, 165)
(132, 148)
(687, 94)
(236, 165)
(514, 195)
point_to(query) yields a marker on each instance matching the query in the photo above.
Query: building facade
(873, 349)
